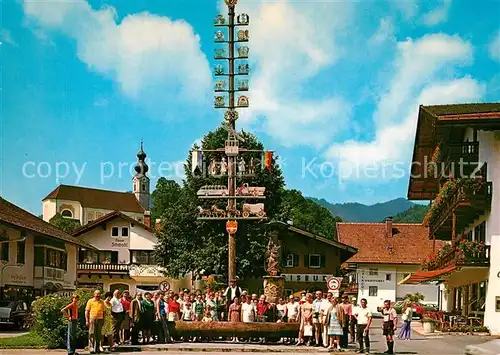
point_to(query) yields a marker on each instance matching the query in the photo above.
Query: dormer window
(124, 231)
(67, 214)
(143, 187)
(114, 232)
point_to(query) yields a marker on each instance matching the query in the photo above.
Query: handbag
(308, 330)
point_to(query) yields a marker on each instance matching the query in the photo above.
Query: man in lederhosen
(231, 292)
(390, 325)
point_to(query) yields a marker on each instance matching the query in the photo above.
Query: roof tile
(409, 244)
(96, 198)
(16, 216)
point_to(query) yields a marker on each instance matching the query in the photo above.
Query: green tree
(66, 224)
(308, 215)
(164, 196)
(414, 297)
(186, 244)
(414, 214)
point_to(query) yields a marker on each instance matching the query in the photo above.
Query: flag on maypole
(268, 161)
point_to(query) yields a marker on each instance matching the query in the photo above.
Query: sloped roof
(17, 217)
(409, 244)
(95, 198)
(462, 109)
(104, 219)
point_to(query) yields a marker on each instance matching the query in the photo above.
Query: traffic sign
(231, 227)
(164, 286)
(333, 283)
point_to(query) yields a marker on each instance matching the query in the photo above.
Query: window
(314, 260)
(4, 253)
(292, 260)
(114, 232)
(124, 231)
(143, 187)
(21, 249)
(372, 291)
(67, 214)
(98, 257)
(387, 277)
(480, 233)
(373, 272)
(39, 259)
(142, 257)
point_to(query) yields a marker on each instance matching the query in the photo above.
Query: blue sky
(335, 88)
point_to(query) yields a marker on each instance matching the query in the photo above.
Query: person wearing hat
(232, 291)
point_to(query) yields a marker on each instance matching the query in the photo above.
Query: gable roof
(410, 243)
(17, 217)
(95, 198)
(462, 109)
(105, 219)
(346, 250)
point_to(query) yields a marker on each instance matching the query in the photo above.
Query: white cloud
(155, 60)
(409, 8)
(438, 14)
(384, 32)
(419, 68)
(494, 47)
(6, 37)
(289, 46)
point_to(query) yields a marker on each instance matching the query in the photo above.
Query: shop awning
(426, 276)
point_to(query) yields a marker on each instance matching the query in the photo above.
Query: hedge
(51, 325)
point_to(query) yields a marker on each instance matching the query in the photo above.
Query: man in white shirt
(292, 309)
(325, 306)
(248, 310)
(318, 305)
(118, 312)
(230, 294)
(364, 320)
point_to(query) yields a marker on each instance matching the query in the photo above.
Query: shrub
(51, 325)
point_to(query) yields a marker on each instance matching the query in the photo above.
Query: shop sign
(119, 242)
(306, 277)
(18, 279)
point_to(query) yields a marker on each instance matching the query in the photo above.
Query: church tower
(141, 181)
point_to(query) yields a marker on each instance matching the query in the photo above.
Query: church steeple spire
(141, 180)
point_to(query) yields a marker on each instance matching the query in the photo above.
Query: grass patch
(25, 341)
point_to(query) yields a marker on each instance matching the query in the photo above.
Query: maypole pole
(231, 166)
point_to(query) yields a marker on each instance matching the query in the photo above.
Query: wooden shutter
(114, 257)
(295, 260)
(323, 260)
(81, 256)
(306, 260)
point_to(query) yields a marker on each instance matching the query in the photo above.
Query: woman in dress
(334, 318)
(148, 309)
(306, 313)
(235, 314)
(107, 328)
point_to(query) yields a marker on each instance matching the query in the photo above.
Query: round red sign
(231, 227)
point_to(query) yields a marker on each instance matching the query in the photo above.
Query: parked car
(14, 314)
(417, 307)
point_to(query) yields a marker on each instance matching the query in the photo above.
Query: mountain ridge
(358, 212)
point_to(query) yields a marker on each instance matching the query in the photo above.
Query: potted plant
(429, 324)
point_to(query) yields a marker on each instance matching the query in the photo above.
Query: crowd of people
(146, 318)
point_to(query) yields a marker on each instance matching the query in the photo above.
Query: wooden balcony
(103, 268)
(457, 257)
(462, 159)
(464, 201)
